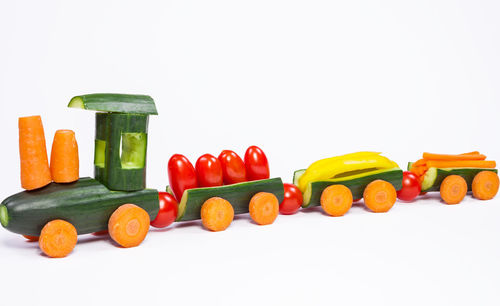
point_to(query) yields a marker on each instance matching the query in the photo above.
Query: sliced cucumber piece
(239, 195)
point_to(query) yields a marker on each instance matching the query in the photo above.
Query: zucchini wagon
(334, 183)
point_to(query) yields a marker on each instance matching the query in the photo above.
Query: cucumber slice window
(133, 150)
(100, 153)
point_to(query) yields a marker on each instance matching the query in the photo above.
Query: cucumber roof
(115, 103)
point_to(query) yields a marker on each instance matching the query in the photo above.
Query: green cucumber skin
(467, 173)
(86, 204)
(116, 103)
(239, 195)
(109, 128)
(357, 186)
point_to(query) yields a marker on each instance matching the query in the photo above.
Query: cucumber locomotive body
(86, 204)
(239, 195)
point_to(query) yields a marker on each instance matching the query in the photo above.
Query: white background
(303, 80)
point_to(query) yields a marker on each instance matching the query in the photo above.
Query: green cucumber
(435, 176)
(357, 185)
(296, 175)
(116, 103)
(239, 195)
(86, 203)
(120, 151)
(409, 166)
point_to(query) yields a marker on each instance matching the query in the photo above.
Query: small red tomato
(233, 167)
(411, 187)
(292, 200)
(209, 171)
(256, 164)
(168, 210)
(181, 175)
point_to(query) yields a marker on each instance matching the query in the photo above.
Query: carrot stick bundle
(467, 156)
(64, 163)
(35, 172)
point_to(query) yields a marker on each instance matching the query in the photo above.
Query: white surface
(301, 79)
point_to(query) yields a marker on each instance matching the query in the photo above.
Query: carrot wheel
(58, 238)
(128, 225)
(379, 196)
(264, 208)
(453, 189)
(216, 214)
(31, 238)
(485, 185)
(336, 200)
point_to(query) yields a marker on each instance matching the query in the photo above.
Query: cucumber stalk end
(4, 215)
(76, 102)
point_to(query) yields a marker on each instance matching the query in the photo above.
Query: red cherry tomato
(233, 168)
(256, 164)
(181, 175)
(168, 210)
(209, 171)
(411, 187)
(292, 200)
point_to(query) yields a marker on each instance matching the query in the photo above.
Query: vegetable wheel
(58, 238)
(216, 214)
(453, 189)
(336, 200)
(128, 225)
(485, 185)
(379, 196)
(264, 208)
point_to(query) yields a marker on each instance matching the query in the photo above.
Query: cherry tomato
(233, 167)
(256, 164)
(411, 187)
(292, 200)
(181, 175)
(209, 171)
(168, 210)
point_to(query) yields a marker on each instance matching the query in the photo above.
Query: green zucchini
(116, 103)
(357, 185)
(435, 176)
(238, 195)
(120, 151)
(86, 203)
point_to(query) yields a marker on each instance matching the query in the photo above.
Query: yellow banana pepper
(329, 168)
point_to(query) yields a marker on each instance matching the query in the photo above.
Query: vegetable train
(57, 205)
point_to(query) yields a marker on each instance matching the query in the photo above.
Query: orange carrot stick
(461, 163)
(64, 164)
(471, 153)
(433, 156)
(35, 172)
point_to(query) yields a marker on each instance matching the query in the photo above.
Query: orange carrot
(433, 156)
(216, 214)
(336, 200)
(128, 225)
(35, 172)
(58, 238)
(453, 189)
(64, 164)
(461, 163)
(379, 196)
(31, 238)
(264, 208)
(485, 185)
(471, 153)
